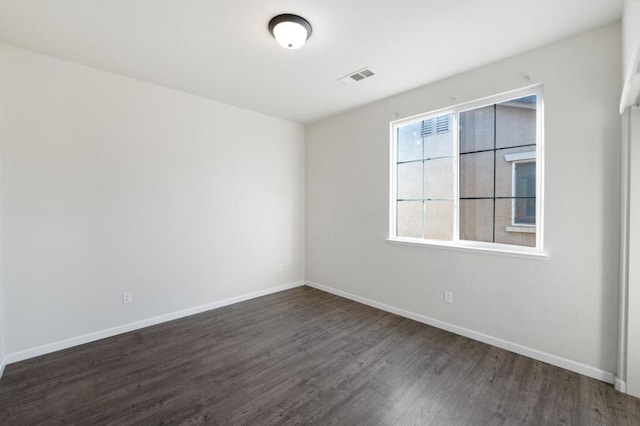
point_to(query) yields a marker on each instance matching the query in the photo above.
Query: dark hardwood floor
(301, 357)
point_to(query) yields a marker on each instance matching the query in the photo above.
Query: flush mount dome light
(290, 31)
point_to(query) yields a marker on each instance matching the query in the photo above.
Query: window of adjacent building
(470, 175)
(524, 192)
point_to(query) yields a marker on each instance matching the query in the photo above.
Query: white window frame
(456, 243)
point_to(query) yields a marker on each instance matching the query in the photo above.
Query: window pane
(525, 211)
(525, 186)
(525, 179)
(506, 232)
(476, 129)
(409, 143)
(410, 181)
(506, 160)
(476, 175)
(476, 220)
(516, 122)
(438, 220)
(438, 178)
(438, 141)
(409, 219)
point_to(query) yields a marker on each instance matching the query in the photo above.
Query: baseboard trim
(3, 364)
(620, 385)
(567, 364)
(136, 325)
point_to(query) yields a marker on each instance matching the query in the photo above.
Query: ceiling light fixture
(290, 31)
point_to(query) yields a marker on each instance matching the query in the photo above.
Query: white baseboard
(3, 364)
(567, 364)
(620, 385)
(102, 334)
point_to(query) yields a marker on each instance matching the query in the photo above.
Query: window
(524, 192)
(470, 175)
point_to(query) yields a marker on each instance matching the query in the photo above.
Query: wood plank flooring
(301, 356)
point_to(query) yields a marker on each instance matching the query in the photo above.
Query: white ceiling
(221, 49)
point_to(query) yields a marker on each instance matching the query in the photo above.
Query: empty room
(243, 212)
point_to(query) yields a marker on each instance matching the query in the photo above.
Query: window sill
(470, 246)
(521, 228)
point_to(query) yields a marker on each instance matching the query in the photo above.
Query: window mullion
(539, 171)
(495, 145)
(456, 177)
(424, 189)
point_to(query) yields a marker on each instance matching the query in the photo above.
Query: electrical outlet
(127, 298)
(448, 297)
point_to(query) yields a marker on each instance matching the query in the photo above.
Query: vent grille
(427, 128)
(441, 125)
(355, 76)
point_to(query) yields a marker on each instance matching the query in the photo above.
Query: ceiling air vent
(352, 77)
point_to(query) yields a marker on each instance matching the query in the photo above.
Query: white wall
(3, 351)
(564, 306)
(110, 184)
(633, 301)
